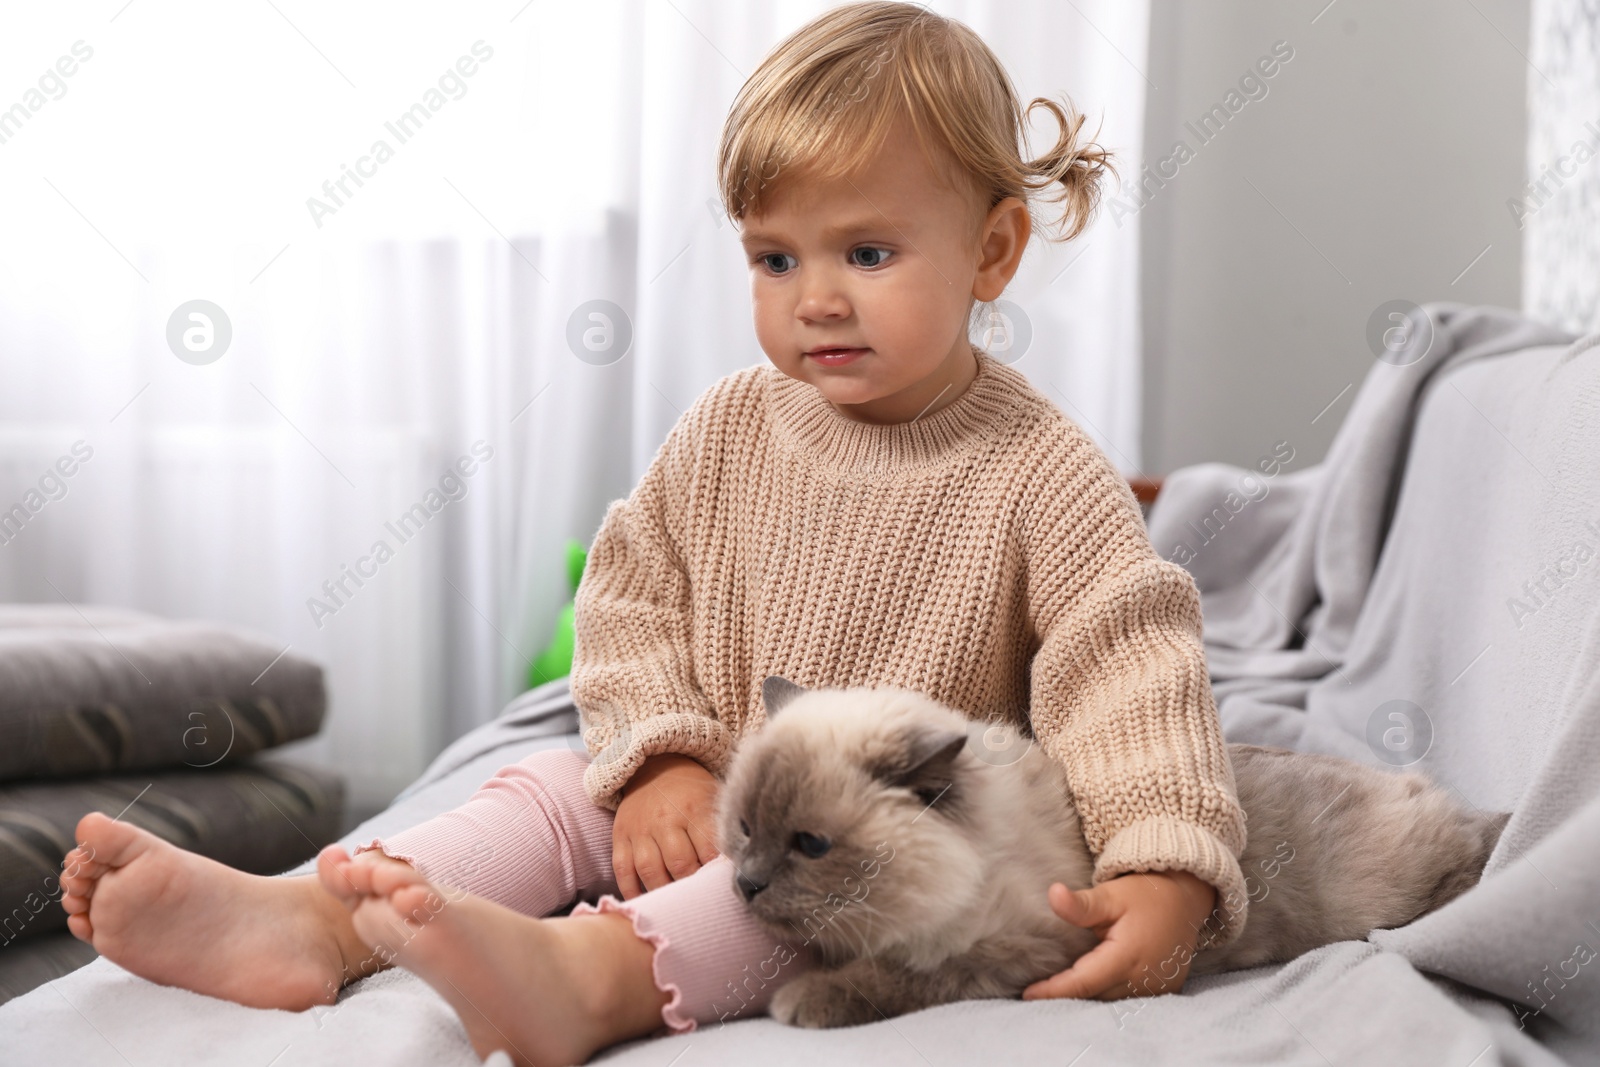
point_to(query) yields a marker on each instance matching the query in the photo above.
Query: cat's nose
(748, 888)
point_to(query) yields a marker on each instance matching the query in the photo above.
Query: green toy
(556, 659)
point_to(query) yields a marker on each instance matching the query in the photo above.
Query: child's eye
(811, 845)
(778, 268)
(881, 256)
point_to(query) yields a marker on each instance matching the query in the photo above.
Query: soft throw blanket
(1353, 1002)
(1429, 596)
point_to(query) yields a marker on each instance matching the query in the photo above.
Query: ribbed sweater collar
(803, 419)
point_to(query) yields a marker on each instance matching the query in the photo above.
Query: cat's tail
(1485, 829)
(1493, 826)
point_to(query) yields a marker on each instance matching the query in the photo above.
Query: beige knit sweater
(987, 554)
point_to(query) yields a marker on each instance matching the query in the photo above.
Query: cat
(914, 863)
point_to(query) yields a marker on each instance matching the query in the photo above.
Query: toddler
(884, 505)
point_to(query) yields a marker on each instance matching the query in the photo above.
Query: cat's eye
(811, 845)
(744, 828)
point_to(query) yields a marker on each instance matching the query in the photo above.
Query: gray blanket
(1383, 576)
(1429, 596)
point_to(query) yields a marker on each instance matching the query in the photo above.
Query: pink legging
(532, 840)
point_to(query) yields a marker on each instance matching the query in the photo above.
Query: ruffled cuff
(700, 737)
(1168, 843)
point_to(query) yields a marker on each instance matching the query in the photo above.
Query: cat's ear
(926, 765)
(777, 691)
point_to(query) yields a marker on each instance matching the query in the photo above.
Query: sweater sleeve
(1120, 693)
(633, 671)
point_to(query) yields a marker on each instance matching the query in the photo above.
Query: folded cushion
(90, 689)
(264, 816)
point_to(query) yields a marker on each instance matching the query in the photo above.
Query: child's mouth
(836, 357)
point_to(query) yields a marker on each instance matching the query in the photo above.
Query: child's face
(886, 263)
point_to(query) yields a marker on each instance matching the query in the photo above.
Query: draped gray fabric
(1441, 565)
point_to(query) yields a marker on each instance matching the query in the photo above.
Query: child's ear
(777, 691)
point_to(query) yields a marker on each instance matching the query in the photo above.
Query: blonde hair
(822, 101)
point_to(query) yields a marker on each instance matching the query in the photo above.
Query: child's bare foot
(183, 920)
(547, 991)
(348, 880)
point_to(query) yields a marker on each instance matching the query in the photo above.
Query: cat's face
(847, 817)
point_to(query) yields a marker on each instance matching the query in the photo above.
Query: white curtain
(540, 156)
(1558, 211)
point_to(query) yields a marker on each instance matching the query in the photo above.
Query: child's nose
(823, 298)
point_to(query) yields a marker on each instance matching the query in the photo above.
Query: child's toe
(336, 873)
(78, 885)
(82, 874)
(384, 878)
(418, 903)
(104, 842)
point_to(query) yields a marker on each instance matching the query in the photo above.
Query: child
(884, 506)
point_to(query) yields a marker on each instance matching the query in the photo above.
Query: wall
(1375, 164)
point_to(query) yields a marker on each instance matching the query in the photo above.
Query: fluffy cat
(867, 822)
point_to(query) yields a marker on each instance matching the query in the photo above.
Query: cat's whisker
(857, 937)
(869, 909)
(840, 921)
(861, 935)
(869, 913)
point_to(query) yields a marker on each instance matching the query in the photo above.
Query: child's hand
(664, 825)
(1148, 924)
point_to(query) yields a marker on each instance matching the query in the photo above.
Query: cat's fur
(944, 836)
